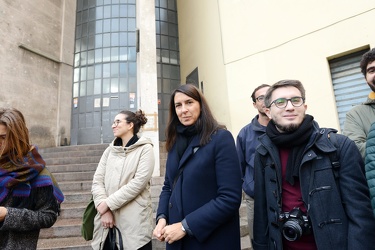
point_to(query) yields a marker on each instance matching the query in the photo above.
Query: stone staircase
(74, 167)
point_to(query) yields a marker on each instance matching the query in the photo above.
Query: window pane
(106, 70)
(76, 60)
(99, 41)
(123, 10)
(164, 42)
(132, 55)
(131, 38)
(123, 24)
(106, 86)
(84, 29)
(114, 69)
(131, 10)
(123, 85)
(99, 12)
(131, 24)
(115, 24)
(84, 43)
(85, 16)
(75, 89)
(98, 55)
(132, 69)
(114, 39)
(83, 74)
(107, 12)
(97, 86)
(165, 56)
(115, 11)
(106, 40)
(107, 25)
(78, 31)
(90, 88)
(98, 71)
(114, 54)
(83, 58)
(123, 39)
(114, 85)
(123, 54)
(91, 14)
(91, 42)
(76, 75)
(106, 55)
(90, 72)
(90, 57)
(123, 70)
(99, 26)
(82, 89)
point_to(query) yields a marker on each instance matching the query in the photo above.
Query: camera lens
(292, 231)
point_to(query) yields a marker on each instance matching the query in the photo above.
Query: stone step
(78, 243)
(72, 160)
(81, 148)
(72, 168)
(74, 176)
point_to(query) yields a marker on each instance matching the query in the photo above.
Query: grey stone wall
(37, 49)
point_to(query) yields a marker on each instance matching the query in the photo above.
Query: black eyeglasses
(281, 103)
(260, 98)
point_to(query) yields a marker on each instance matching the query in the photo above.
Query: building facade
(70, 66)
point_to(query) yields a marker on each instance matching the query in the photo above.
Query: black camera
(294, 224)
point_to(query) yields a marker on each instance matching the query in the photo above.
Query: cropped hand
(173, 232)
(107, 219)
(158, 229)
(3, 213)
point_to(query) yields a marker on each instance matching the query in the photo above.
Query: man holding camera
(310, 187)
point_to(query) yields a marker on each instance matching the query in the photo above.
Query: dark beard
(287, 129)
(371, 85)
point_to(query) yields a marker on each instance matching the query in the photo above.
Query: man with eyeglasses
(299, 202)
(246, 143)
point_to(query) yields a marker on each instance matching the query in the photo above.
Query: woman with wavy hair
(29, 195)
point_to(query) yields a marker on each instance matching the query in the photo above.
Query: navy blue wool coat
(207, 194)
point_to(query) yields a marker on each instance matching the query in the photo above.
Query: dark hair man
(359, 118)
(247, 141)
(299, 202)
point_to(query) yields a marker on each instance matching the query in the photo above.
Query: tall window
(168, 61)
(105, 71)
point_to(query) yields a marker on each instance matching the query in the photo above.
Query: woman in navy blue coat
(199, 202)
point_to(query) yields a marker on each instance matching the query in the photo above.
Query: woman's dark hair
(17, 139)
(206, 124)
(138, 119)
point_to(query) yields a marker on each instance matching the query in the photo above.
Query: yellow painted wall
(260, 42)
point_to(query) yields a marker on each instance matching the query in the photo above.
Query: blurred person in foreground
(200, 199)
(29, 195)
(304, 199)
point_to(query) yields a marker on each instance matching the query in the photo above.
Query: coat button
(170, 205)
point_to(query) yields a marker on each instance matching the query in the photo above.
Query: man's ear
(268, 112)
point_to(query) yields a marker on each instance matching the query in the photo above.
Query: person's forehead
(3, 129)
(261, 91)
(285, 92)
(370, 64)
(120, 117)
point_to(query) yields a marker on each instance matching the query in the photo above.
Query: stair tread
(56, 243)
